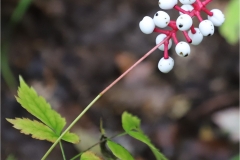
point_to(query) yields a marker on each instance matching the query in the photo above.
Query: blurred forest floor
(69, 51)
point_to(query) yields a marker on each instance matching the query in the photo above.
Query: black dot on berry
(180, 25)
(156, 14)
(209, 35)
(186, 55)
(181, 53)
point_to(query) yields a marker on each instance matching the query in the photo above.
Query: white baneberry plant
(184, 23)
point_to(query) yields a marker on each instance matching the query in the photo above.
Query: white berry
(186, 7)
(184, 22)
(160, 38)
(187, 1)
(217, 18)
(165, 65)
(196, 37)
(206, 27)
(167, 4)
(182, 49)
(147, 25)
(161, 19)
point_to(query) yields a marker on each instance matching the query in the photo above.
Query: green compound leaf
(38, 130)
(230, 28)
(37, 106)
(71, 137)
(130, 122)
(143, 138)
(35, 128)
(89, 156)
(119, 151)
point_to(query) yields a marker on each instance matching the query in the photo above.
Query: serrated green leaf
(37, 106)
(89, 156)
(40, 131)
(158, 155)
(230, 28)
(130, 122)
(71, 137)
(119, 151)
(37, 129)
(143, 138)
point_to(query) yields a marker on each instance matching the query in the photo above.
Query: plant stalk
(70, 126)
(63, 154)
(118, 135)
(99, 96)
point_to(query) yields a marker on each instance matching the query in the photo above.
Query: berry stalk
(134, 65)
(100, 95)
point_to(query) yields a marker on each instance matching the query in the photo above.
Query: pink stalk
(134, 65)
(174, 37)
(207, 11)
(199, 16)
(172, 24)
(187, 37)
(161, 31)
(99, 96)
(193, 29)
(180, 9)
(199, 3)
(166, 49)
(206, 2)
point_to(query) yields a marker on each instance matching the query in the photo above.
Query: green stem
(104, 91)
(16, 17)
(60, 143)
(78, 155)
(70, 126)
(19, 11)
(5, 67)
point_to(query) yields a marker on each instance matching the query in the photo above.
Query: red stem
(199, 3)
(180, 9)
(166, 49)
(206, 2)
(161, 31)
(174, 37)
(193, 29)
(207, 11)
(187, 37)
(198, 16)
(134, 65)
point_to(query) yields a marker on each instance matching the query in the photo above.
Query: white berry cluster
(184, 23)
